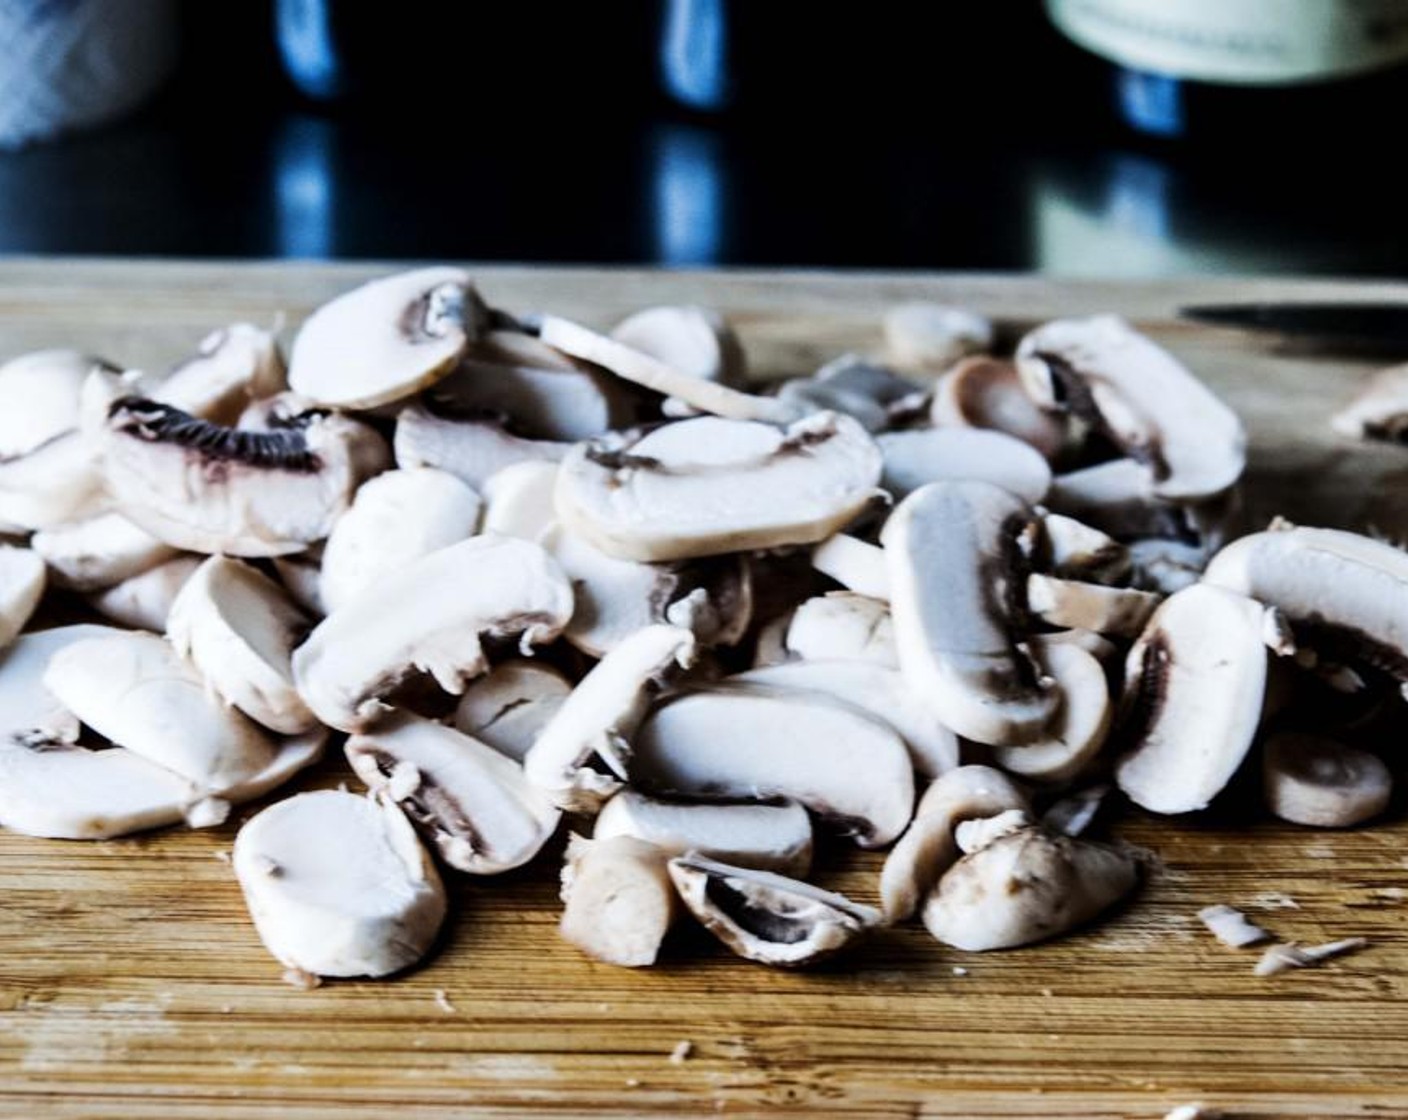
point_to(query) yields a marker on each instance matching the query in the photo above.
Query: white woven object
(66, 64)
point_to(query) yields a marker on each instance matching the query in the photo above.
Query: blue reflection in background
(694, 53)
(305, 210)
(688, 193)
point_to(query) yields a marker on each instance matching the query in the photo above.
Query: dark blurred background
(709, 132)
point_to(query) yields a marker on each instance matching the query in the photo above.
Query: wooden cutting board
(132, 984)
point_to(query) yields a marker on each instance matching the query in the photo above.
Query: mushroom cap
(1082, 723)
(571, 403)
(509, 706)
(620, 902)
(232, 367)
(473, 448)
(387, 339)
(919, 456)
(1072, 549)
(1076, 604)
(1379, 410)
(985, 392)
(1316, 781)
(99, 552)
(705, 486)
(41, 391)
(694, 340)
(932, 336)
(430, 617)
(22, 582)
(338, 885)
(54, 483)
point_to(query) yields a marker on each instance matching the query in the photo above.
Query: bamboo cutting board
(131, 983)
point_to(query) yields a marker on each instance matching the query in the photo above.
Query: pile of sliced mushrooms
(522, 571)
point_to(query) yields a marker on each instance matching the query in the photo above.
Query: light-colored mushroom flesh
(1315, 781)
(430, 618)
(842, 626)
(694, 340)
(41, 391)
(930, 337)
(1075, 604)
(957, 596)
(1082, 722)
(471, 447)
(22, 582)
(511, 704)
(232, 367)
(985, 392)
(518, 499)
(468, 800)
(1379, 410)
(619, 901)
(55, 483)
(919, 456)
(338, 885)
(99, 552)
(875, 397)
(854, 564)
(1073, 550)
(706, 486)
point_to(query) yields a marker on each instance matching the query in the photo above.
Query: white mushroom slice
(599, 719)
(28, 713)
(55, 483)
(696, 341)
(22, 580)
(879, 690)
(775, 836)
(706, 486)
(1066, 603)
(301, 575)
(973, 835)
(1315, 781)
(1194, 685)
(99, 552)
(518, 500)
(1075, 812)
(338, 885)
(842, 626)
(430, 617)
(1378, 411)
(765, 917)
(134, 690)
(873, 395)
(1166, 566)
(956, 597)
(1280, 958)
(923, 455)
(387, 339)
(510, 705)
(1097, 645)
(928, 847)
(1082, 722)
(1024, 887)
(1139, 395)
(239, 627)
(856, 565)
(620, 902)
(41, 391)
(984, 392)
(466, 798)
(1074, 550)
(232, 367)
(1341, 592)
(472, 448)
(735, 741)
(932, 336)
(394, 519)
(636, 366)
(554, 403)
(1231, 927)
(205, 488)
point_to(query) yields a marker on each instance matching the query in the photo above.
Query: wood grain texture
(132, 984)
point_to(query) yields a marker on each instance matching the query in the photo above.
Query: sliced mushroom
(973, 835)
(765, 917)
(734, 741)
(1073, 550)
(387, 339)
(985, 392)
(1026, 886)
(879, 690)
(705, 486)
(1194, 687)
(776, 836)
(620, 902)
(301, 575)
(470, 801)
(842, 626)
(928, 847)
(54, 483)
(932, 336)
(1139, 395)
(518, 500)
(872, 395)
(770, 643)
(99, 552)
(338, 885)
(1318, 782)
(923, 455)
(1097, 645)
(144, 602)
(472, 448)
(394, 519)
(599, 719)
(1066, 603)
(1166, 566)
(1082, 722)
(636, 366)
(957, 596)
(205, 488)
(232, 367)
(430, 617)
(856, 565)
(510, 705)
(696, 341)
(1378, 411)
(1076, 812)
(22, 580)
(41, 391)
(238, 627)
(572, 403)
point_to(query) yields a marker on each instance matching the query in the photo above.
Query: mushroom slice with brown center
(957, 595)
(1082, 723)
(735, 741)
(472, 447)
(338, 885)
(694, 340)
(510, 705)
(766, 917)
(1139, 395)
(619, 900)
(1194, 686)
(22, 580)
(387, 339)
(466, 798)
(1073, 550)
(923, 455)
(430, 617)
(202, 487)
(239, 627)
(232, 367)
(706, 486)
(599, 719)
(1067, 603)
(1026, 886)
(394, 519)
(931, 336)
(872, 395)
(842, 626)
(775, 836)
(99, 552)
(1315, 781)
(985, 392)
(928, 847)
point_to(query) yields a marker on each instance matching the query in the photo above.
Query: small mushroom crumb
(1230, 926)
(682, 1052)
(1193, 1112)
(301, 979)
(1277, 902)
(1281, 957)
(222, 854)
(633, 1083)
(442, 1001)
(959, 970)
